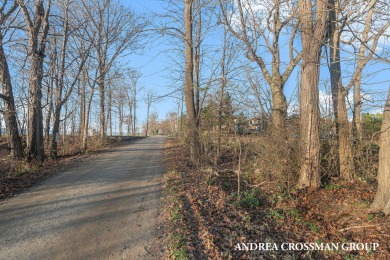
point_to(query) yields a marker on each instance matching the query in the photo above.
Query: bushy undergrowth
(222, 213)
(273, 156)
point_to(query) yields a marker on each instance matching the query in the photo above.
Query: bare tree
(114, 31)
(109, 111)
(262, 33)
(134, 87)
(367, 40)
(63, 70)
(149, 99)
(87, 112)
(130, 114)
(200, 19)
(50, 86)
(228, 58)
(192, 122)
(382, 197)
(313, 17)
(37, 23)
(339, 93)
(119, 96)
(10, 113)
(342, 16)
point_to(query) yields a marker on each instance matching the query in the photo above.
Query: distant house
(249, 126)
(255, 124)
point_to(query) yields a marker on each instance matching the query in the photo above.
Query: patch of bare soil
(17, 177)
(215, 219)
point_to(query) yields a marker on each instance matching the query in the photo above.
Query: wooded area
(313, 33)
(283, 91)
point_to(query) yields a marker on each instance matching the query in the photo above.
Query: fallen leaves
(216, 221)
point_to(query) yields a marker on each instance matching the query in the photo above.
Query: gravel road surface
(105, 208)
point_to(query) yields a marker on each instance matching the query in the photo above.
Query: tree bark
(147, 119)
(197, 58)
(109, 111)
(221, 93)
(56, 130)
(382, 196)
(309, 127)
(37, 34)
(101, 85)
(82, 103)
(84, 144)
(192, 126)
(121, 116)
(134, 109)
(344, 138)
(10, 112)
(129, 117)
(49, 112)
(347, 164)
(357, 99)
(313, 27)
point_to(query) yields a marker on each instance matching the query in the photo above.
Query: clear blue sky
(153, 63)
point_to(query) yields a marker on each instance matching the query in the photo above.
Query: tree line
(57, 55)
(279, 37)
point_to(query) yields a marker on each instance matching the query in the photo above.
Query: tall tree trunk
(49, 113)
(357, 99)
(220, 113)
(73, 125)
(347, 164)
(56, 129)
(196, 43)
(311, 36)
(60, 84)
(128, 125)
(37, 33)
(279, 104)
(109, 111)
(65, 124)
(135, 113)
(52, 71)
(82, 103)
(129, 122)
(309, 127)
(121, 117)
(147, 118)
(221, 93)
(101, 84)
(10, 112)
(382, 196)
(35, 143)
(344, 138)
(192, 126)
(84, 144)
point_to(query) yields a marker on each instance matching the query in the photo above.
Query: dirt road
(105, 208)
